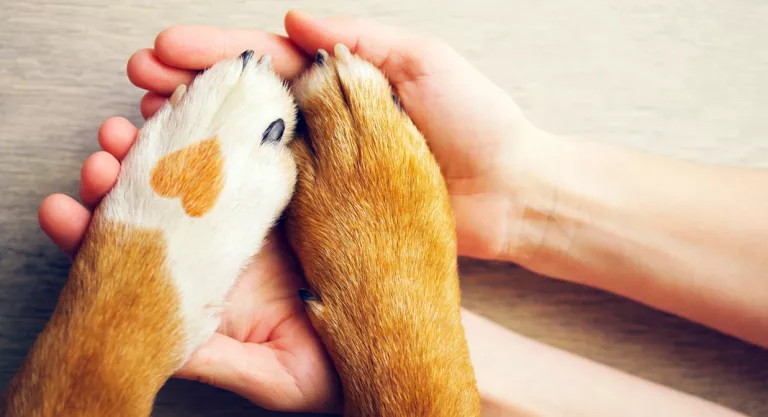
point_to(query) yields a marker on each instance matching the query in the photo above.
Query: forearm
(683, 237)
(522, 378)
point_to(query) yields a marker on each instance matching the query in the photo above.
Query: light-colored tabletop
(686, 78)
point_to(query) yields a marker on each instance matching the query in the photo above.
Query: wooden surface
(687, 78)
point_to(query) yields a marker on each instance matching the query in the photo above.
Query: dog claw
(306, 295)
(178, 94)
(265, 60)
(274, 132)
(321, 57)
(341, 51)
(246, 56)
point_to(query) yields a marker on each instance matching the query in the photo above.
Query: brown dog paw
(373, 230)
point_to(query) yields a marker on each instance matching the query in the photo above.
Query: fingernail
(301, 14)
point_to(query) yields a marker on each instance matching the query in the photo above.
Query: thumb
(402, 56)
(250, 370)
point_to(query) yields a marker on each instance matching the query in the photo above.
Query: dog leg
(374, 233)
(207, 178)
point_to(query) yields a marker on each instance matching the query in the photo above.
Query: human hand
(473, 128)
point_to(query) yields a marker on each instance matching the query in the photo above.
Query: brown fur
(374, 232)
(104, 352)
(194, 174)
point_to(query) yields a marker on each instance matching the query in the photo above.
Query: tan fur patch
(193, 174)
(372, 226)
(114, 338)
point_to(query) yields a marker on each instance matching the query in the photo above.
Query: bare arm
(683, 237)
(522, 378)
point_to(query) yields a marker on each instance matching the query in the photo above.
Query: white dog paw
(212, 172)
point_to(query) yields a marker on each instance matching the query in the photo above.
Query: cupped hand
(473, 127)
(266, 349)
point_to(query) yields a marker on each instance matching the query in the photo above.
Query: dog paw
(370, 201)
(209, 173)
(372, 227)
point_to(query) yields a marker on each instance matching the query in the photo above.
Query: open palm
(266, 349)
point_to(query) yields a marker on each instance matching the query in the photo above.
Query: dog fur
(374, 233)
(207, 178)
(198, 192)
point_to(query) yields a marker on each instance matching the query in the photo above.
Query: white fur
(206, 254)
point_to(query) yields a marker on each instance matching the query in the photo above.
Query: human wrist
(520, 377)
(586, 211)
(564, 195)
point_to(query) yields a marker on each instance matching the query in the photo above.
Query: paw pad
(194, 174)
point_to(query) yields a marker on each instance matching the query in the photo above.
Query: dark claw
(305, 295)
(264, 60)
(274, 132)
(321, 56)
(396, 100)
(246, 56)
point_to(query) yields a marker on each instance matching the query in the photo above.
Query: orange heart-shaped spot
(193, 174)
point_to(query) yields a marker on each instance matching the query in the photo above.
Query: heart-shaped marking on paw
(193, 174)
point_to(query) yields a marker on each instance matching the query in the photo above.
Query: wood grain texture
(683, 78)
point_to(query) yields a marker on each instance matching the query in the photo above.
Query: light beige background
(686, 78)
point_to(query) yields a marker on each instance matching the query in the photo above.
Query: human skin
(548, 193)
